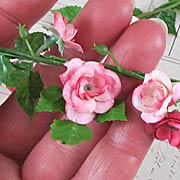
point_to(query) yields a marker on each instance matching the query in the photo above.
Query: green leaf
(5, 68)
(28, 91)
(69, 11)
(117, 113)
(101, 49)
(137, 12)
(36, 40)
(51, 100)
(60, 44)
(23, 32)
(69, 132)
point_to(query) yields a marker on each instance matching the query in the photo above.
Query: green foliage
(5, 68)
(51, 100)
(166, 12)
(69, 132)
(69, 11)
(137, 12)
(36, 40)
(117, 113)
(169, 18)
(60, 44)
(28, 87)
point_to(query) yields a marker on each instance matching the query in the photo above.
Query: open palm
(117, 149)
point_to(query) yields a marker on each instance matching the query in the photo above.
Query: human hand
(116, 150)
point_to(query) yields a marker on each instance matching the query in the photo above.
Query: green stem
(29, 48)
(11, 53)
(119, 68)
(126, 72)
(143, 15)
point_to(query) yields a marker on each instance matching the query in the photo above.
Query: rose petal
(150, 118)
(69, 32)
(115, 87)
(176, 91)
(102, 107)
(137, 100)
(75, 116)
(83, 105)
(59, 24)
(174, 138)
(159, 76)
(162, 133)
(73, 46)
(163, 109)
(72, 66)
(67, 90)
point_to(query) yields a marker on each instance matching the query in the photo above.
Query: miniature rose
(168, 128)
(153, 96)
(88, 88)
(67, 32)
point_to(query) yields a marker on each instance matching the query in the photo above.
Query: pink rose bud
(88, 89)
(153, 96)
(66, 32)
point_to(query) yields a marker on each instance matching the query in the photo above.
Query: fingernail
(161, 23)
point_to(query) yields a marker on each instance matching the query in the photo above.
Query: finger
(141, 50)
(13, 13)
(75, 158)
(122, 149)
(120, 152)
(8, 169)
(101, 22)
(51, 159)
(28, 133)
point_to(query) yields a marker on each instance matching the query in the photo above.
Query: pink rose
(168, 128)
(153, 96)
(88, 89)
(66, 31)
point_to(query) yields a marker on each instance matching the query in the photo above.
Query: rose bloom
(66, 31)
(168, 128)
(153, 96)
(88, 88)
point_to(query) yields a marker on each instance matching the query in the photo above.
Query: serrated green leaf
(137, 12)
(28, 91)
(69, 11)
(51, 100)
(101, 49)
(36, 40)
(5, 68)
(69, 132)
(52, 93)
(45, 105)
(117, 113)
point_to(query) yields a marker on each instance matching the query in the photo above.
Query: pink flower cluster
(88, 88)
(66, 32)
(152, 99)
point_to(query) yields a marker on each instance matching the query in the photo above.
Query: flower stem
(51, 60)
(159, 10)
(126, 72)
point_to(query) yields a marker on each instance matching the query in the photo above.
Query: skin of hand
(117, 149)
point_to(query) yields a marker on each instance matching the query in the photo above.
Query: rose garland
(89, 89)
